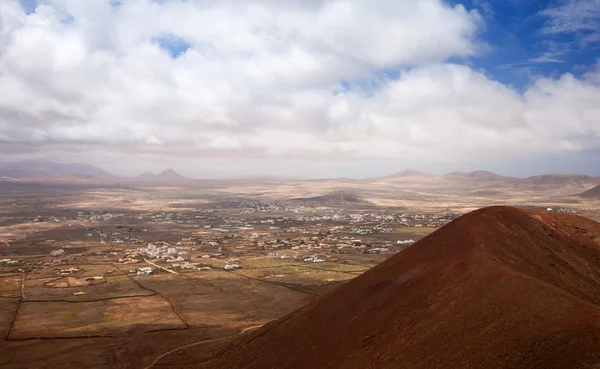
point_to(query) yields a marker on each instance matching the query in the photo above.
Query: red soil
(498, 287)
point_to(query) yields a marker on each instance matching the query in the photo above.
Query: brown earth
(592, 193)
(479, 175)
(561, 179)
(51, 320)
(499, 287)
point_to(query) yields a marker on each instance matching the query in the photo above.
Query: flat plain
(128, 271)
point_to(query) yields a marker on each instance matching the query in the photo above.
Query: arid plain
(127, 273)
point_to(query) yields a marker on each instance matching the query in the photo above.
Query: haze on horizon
(322, 88)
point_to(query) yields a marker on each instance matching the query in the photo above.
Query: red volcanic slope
(498, 287)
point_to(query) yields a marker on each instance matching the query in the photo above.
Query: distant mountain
(497, 288)
(170, 175)
(479, 176)
(166, 175)
(146, 176)
(562, 179)
(410, 173)
(38, 169)
(592, 193)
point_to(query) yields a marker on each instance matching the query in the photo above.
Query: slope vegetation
(498, 287)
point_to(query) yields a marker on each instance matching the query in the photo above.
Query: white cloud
(267, 83)
(575, 17)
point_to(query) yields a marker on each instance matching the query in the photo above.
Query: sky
(302, 88)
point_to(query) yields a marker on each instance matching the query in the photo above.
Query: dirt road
(197, 343)
(160, 267)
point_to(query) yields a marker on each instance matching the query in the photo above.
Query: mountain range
(498, 287)
(487, 176)
(41, 169)
(37, 169)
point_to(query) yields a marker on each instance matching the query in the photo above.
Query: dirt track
(196, 344)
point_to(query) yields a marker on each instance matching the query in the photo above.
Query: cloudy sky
(307, 88)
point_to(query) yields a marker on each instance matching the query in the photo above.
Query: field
(128, 272)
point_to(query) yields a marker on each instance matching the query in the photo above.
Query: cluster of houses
(143, 271)
(122, 235)
(312, 259)
(299, 215)
(9, 261)
(306, 258)
(68, 271)
(562, 210)
(261, 207)
(164, 251)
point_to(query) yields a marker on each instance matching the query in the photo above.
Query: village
(222, 236)
(228, 235)
(218, 237)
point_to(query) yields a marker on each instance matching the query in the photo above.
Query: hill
(410, 173)
(39, 169)
(478, 175)
(166, 175)
(334, 198)
(562, 179)
(170, 175)
(498, 287)
(146, 176)
(592, 193)
(405, 176)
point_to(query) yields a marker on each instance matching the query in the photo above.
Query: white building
(57, 252)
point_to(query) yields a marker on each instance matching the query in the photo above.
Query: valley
(127, 271)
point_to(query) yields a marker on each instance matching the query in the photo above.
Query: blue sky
(522, 46)
(518, 44)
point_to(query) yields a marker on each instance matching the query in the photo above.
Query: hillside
(498, 287)
(170, 175)
(146, 176)
(34, 169)
(592, 193)
(561, 179)
(166, 175)
(403, 177)
(478, 175)
(410, 173)
(334, 198)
